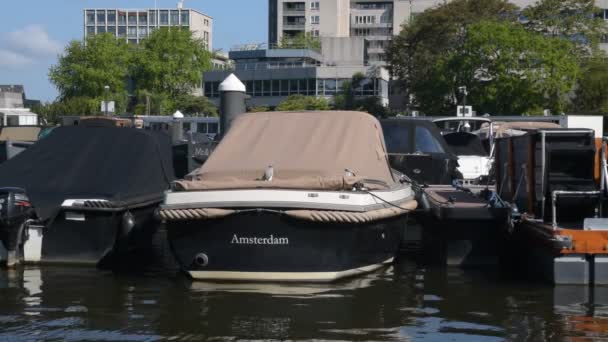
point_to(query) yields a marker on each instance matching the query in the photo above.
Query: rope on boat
(331, 216)
(321, 216)
(194, 214)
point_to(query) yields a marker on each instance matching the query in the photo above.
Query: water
(404, 302)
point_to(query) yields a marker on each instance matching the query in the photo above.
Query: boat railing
(563, 193)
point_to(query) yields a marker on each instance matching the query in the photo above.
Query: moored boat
(557, 179)
(84, 195)
(290, 196)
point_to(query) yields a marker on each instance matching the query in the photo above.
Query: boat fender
(201, 260)
(128, 222)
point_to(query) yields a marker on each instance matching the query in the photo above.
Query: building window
(152, 17)
(90, 17)
(90, 30)
(314, 19)
(276, 88)
(122, 31)
(314, 5)
(266, 88)
(320, 87)
(315, 33)
(213, 128)
(164, 17)
(249, 87)
(143, 18)
(101, 29)
(112, 30)
(302, 87)
(101, 17)
(143, 31)
(132, 41)
(206, 21)
(174, 17)
(185, 17)
(132, 18)
(122, 18)
(132, 32)
(330, 87)
(284, 88)
(111, 17)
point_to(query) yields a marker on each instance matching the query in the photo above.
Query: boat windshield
(397, 138)
(426, 142)
(466, 144)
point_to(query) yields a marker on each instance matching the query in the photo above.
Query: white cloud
(34, 40)
(12, 59)
(27, 45)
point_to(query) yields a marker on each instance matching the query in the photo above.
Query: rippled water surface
(404, 302)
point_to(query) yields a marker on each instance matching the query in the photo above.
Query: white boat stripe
(285, 276)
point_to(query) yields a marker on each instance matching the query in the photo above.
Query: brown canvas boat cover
(307, 150)
(24, 133)
(506, 129)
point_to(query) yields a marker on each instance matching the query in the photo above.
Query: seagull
(268, 173)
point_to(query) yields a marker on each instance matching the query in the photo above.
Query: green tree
(257, 109)
(347, 98)
(301, 102)
(592, 88)
(196, 105)
(87, 67)
(573, 19)
(300, 41)
(509, 70)
(424, 43)
(53, 111)
(170, 61)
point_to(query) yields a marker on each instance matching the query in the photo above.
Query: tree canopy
(170, 61)
(86, 67)
(510, 63)
(158, 75)
(301, 102)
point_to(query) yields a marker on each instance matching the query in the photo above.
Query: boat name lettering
(271, 240)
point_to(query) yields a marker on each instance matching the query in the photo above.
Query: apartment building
(375, 20)
(133, 25)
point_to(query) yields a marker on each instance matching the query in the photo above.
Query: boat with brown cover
(290, 196)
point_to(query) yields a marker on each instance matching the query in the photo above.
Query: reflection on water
(404, 302)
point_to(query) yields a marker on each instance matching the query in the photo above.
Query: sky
(34, 32)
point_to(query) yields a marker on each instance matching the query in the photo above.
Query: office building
(133, 25)
(271, 75)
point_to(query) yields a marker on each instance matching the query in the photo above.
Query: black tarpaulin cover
(123, 165)
(465, 144)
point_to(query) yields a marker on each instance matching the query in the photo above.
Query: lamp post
(107, 90)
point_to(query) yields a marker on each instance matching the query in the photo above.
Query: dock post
(177, 128)
(232, 101)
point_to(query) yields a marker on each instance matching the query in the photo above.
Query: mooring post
(177, 128)
(232, 101)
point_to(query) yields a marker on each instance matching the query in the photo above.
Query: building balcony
(293, 26)
(371, 25)
(294, 12)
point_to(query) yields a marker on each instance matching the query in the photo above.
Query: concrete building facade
(12, 96)
(271, 75)
(133, 25)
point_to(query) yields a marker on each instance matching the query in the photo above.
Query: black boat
(84, 195)
(456, 225)
(290, 196)
(417, 149)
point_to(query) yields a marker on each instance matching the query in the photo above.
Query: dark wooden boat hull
(267, 246)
